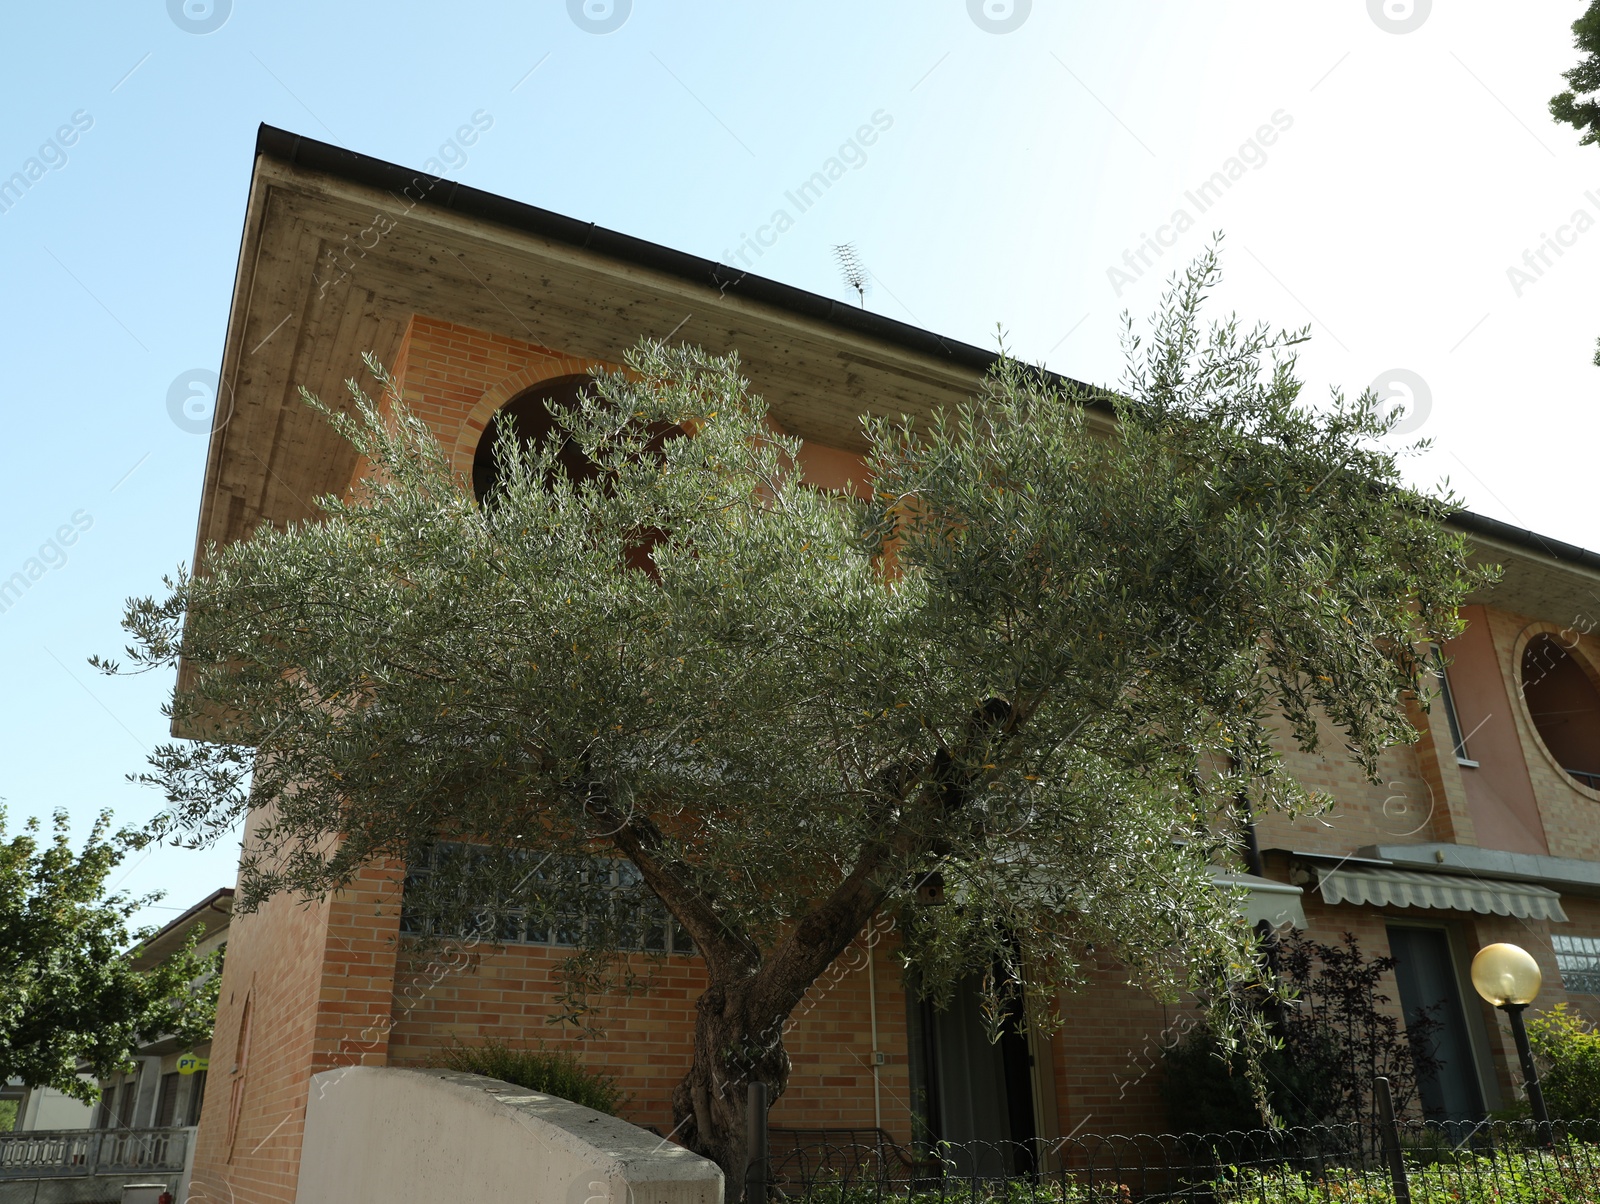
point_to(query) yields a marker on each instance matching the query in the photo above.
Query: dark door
(1429, 986)
(976, 1094)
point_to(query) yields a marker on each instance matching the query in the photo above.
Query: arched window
(536, 415)
(1565, 707)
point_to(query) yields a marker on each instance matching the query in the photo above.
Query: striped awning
(1451, 892)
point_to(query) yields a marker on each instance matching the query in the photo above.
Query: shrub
(556, 1073)
(1527, 1177)
(1207, 1091)
(1568, 1050)
(1333, 1039)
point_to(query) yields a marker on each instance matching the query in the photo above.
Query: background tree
(70, 998)
(1579, 106)
(1035, 660)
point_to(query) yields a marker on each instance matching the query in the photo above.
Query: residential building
(1483, 831)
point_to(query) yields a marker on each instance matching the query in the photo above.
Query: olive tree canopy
(1030, 662)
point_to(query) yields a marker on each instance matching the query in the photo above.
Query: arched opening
(1564, 706)
(536, 415)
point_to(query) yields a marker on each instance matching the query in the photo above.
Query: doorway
(969, 1091)
(1430, 985)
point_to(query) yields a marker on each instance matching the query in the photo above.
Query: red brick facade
(312, 986)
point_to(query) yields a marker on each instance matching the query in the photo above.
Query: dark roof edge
(1532, 541)
(297, 150)
(171, 926)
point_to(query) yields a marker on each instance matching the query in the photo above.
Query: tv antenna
(853, 270)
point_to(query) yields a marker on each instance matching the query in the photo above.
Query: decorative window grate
(611, 888)
(1578, 960)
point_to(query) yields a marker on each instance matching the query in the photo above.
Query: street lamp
(1509, 978)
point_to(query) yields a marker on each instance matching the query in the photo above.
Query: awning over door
(1403, 888)
(1277, 903)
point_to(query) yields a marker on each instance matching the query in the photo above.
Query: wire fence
(1410, 1163)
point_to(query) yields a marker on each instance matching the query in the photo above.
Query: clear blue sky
(1412, 166)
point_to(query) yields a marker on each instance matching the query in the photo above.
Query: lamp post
(1508, 977)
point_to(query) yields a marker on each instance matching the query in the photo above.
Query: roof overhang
(340, 250)
(215, 911)
(1543, 578)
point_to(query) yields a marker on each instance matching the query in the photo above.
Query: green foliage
(966, 1191)
(1061, 629)
(1570, 1175)
(69, 996)
(1578, 106)
(557, 1073)
(1208, 1087)
(1568, 1052)
(8, 1115)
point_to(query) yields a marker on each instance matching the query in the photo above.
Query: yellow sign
(190, 1063)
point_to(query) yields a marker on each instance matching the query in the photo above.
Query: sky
(1389, 176)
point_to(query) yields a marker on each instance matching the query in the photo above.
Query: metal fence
(1410, 1163)
(64, 1153)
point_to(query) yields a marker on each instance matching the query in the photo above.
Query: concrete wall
(47, 1108)
(375, 1135)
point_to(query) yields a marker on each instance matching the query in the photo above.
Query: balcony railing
(65, 1153)
(1587, 777)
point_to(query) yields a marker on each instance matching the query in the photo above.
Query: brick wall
(247, 1148)
(328, 984)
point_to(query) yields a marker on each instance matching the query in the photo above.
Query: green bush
(968, 1191)
(1207, 1091)
(8, 1115)
(549, 1073)
(1570, 1175)
(1338, 1034)
(1568, 1050)
(1526, 1177)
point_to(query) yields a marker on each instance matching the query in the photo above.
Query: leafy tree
(70, 997)
(1583, 114)
(1034, 660)
(1566, 107)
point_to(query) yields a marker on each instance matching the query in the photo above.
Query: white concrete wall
(47, 1108)
(375, 1135)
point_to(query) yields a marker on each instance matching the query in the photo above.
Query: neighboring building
(1486, 830)
(167, 1085)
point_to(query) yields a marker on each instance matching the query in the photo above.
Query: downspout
(872, 1009)
(1247, 824)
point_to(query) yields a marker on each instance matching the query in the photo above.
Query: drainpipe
(1247, 823)
(872, 1008)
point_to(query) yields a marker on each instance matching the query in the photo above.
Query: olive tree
(1035, 660)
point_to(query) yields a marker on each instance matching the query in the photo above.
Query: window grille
(640, 919)
(1578, 960)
